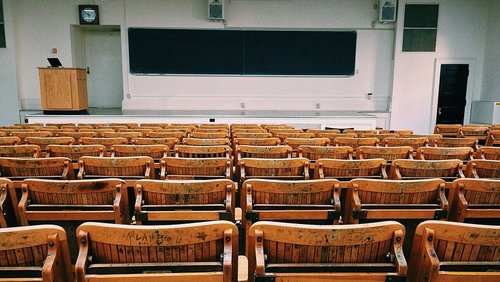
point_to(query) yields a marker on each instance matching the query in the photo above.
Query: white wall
(491, 83)
(9, 112)
(400, 82)
(461, 35)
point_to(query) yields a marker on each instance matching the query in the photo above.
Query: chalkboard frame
(245, 52)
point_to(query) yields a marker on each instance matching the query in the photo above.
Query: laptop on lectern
(54, 62)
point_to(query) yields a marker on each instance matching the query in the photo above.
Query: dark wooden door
(452, 93)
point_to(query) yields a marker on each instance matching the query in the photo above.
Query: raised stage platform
(301, 119)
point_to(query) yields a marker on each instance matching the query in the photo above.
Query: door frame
(470, 86)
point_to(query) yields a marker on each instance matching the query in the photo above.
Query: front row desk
(63, 89)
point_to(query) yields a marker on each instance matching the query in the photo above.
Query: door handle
(439, 111)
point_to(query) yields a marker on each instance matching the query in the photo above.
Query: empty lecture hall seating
(303, 252)
(174, 201)
(197, 179)
(475, 199)
(449, 251)
(207, 251)
(34, 253)
(493, 138)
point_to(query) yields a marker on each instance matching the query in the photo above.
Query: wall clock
(88, 14)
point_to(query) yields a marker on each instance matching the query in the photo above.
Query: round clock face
(89, 15)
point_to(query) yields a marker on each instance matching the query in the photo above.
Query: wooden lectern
(63, 89)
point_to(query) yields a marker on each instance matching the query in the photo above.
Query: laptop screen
(54, 62)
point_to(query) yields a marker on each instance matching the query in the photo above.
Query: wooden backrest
(398, 131)
(124, 134)
(457, 142)
(445, 153)
(246, 134)
(449, 130)
(396, 198)
(296, 142)
(424, 169)
(24, 134)
(74, 152)
(257, 141)
(209, 135)
(154, 151)
(444, 249)
(78, 135)
(263, 152)
(190, 168)
(80, 200)
(415, 143)
(44, 141)
(206, 142)
(191, 245)
(302, 246)
(380, 136)
(170, 142)
(162, 125)
(300, 192)
(333, 135)
(127, 167)
(493, 138)
(184, 200)
(296, 168)
(360, 131)
(334, 168)
(13, 168)
(488, 153)
(108, 142)
(318, 131)
(167, 134)
(314, 153)
(474, 131)
(483, 169)
(475, 198)
(188, 151)
(386, 153)
(10, 140)
(32, 252)
(212, 129)
(20, 151)
(285, 131)
(356, 142)
(99, 131)
(284, 135)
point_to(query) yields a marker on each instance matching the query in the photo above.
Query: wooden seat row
(442, 251)
(222, 167)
